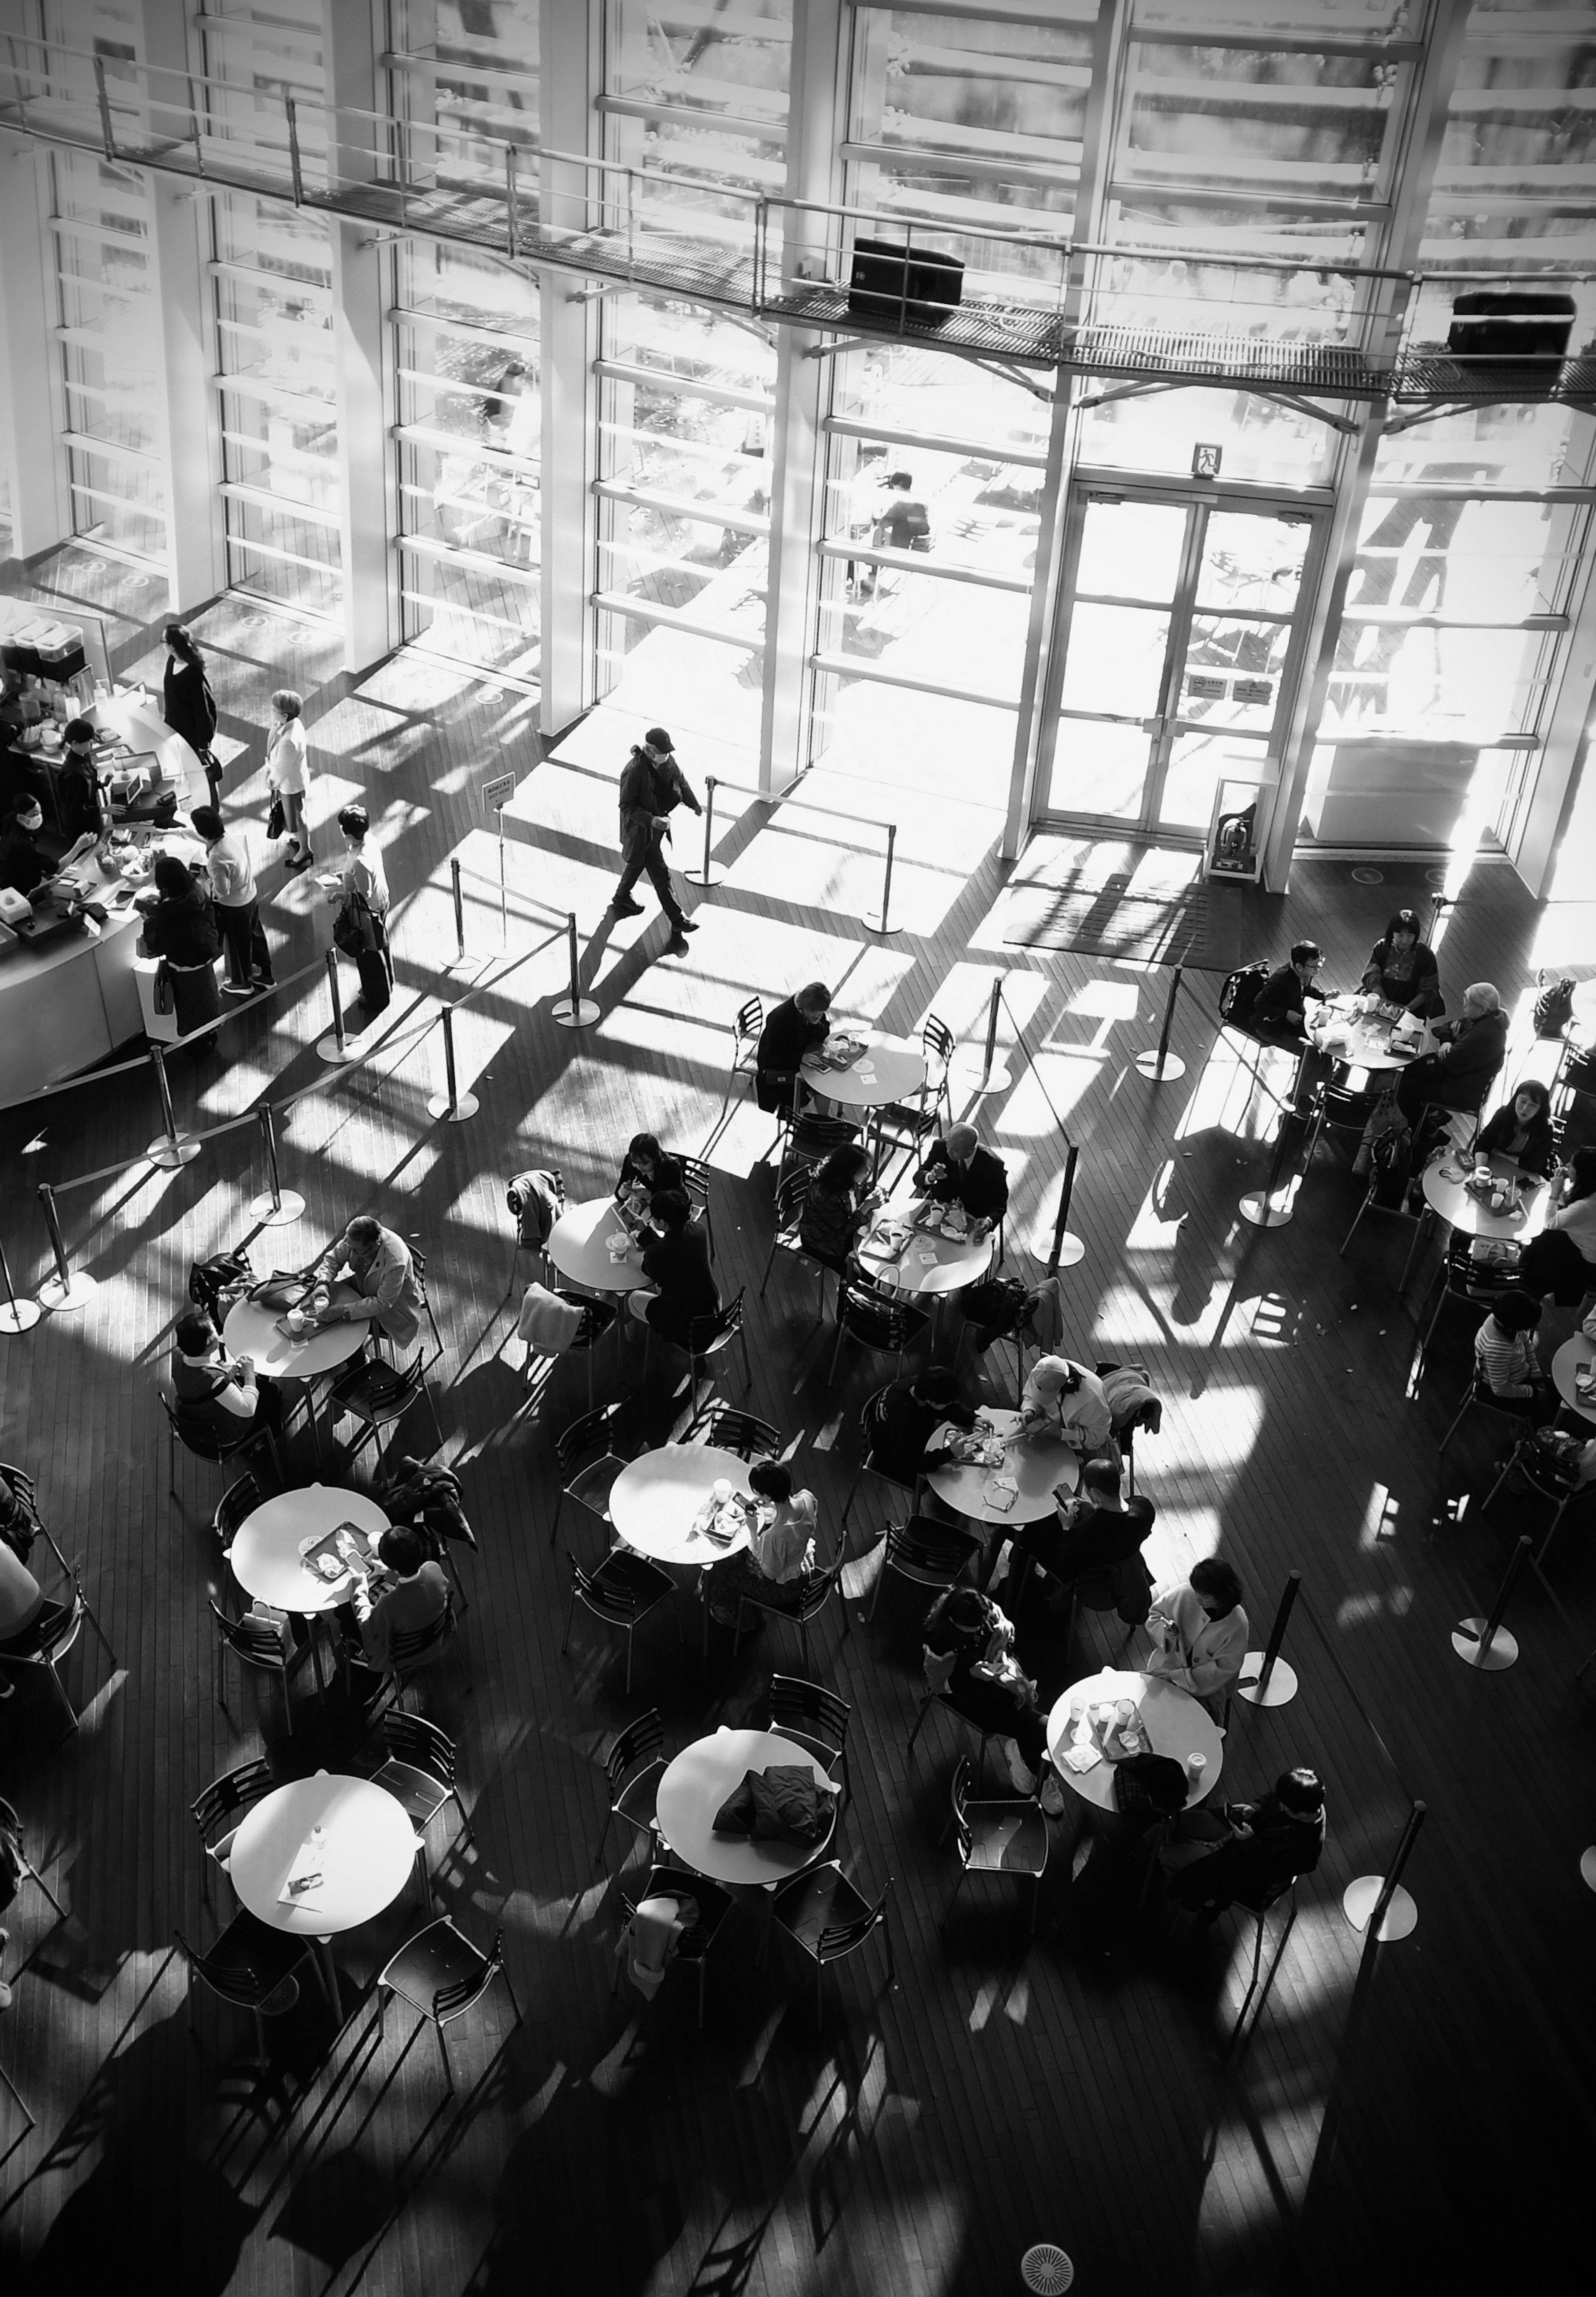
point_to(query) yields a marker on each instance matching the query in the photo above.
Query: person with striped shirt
(1505, 1359)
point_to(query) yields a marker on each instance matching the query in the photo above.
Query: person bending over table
(1280, 1015)
(1522, 1130)
(1199, 1631)
(1458, 1075)
(410, 1593)
(1505, 1361)
(379, 1278)
(1062, 1398)
(216, 1390)
(780, 1554)
(1402, 969)
(1246, 1850)
(26, 1621)
(1562, 1259)
(900, 1422)
(645, 1169)
(837, 1207)
(960, 1170)
(792, 1026)
(968, 1655)
(676, 1262)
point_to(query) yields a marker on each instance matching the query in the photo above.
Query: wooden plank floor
(1400, 2129)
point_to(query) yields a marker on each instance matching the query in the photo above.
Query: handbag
(356, 929)
(162, 999)
(276, 821)
(281, 1289)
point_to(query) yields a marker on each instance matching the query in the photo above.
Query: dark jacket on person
(830, 1222)
(649, 786)
(1479, 1045)
(77, 798)
(1416, 987)
(784, 1041)
(900, 1428)
(981, 1187)
(183, 930)
(188, 705)
(666, 1175)
(1257, 1866)
(1100, 1539)
(22, 866)
(678, 1267)
(1281, 994)
(1539, 1152)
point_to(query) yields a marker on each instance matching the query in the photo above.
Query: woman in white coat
(288, 771)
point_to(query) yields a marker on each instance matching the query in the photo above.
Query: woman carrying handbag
(187, 704)
(288, 771)
(360, 929)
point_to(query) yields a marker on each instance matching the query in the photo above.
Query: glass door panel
(1131, 550)
(1252, 559)
(1115, 662)
(1100, 769)
(1197, 763)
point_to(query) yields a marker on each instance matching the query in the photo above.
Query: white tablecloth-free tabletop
(1040, 1465)
(655, 1498)
(1574, 1356)
(695, 1784)
(888, 1069)
(264, 1556)
(578, 1248)
(957, 1261)
(250, 1329)
(1445, 1192)
(366, 1858)
(1368, 1039)
(1177, 1724)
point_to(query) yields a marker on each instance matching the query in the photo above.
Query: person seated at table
(960, 1170)
(676, 1261)
(1250, 1851)
(1402, 969)
(19, 1527)
(1094, 1532)
(27, 1621)
(1280, 1015)
(215, 1389)
(1505, 1362)
(644, 1168)
(1199, 1630)
(899, 1423)
(790, 1028)
(1562, 1260)
(781, 1549)
(968, 1657)
(182, 929)
(409, 1592)
(374, 1280)
(1522, 1130)
(1472, 1050)
(837, 1207)
(1062, 1398)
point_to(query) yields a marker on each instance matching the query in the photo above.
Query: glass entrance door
(1181, 654)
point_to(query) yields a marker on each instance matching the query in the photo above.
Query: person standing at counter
(288, 771)
(181, 928)
(78, 796)
(233, 898)
(188, 704)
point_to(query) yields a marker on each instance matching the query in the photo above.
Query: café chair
(696, 1180)
(886, 1327)
(440, 1975)
(1461, 1277)
(241, 1498)
(1338, 1110)
(624, 1591)
(826, 1917)
(634, 1767)
(707, 1335)
(693, 1946)
(222, 1804)
(748, 1026)
(257, 1642)
(418, 1262)
(810, 1138)
(930, 1698)
(589, 1457)
(1478, 1397)
(205, 1443)
(869, 1421)
(10, 1826)
(997, 1838)
(376, 1395)
(792, 1193)
(910, 1125)
(817, 1589)
(55, 1642)
(728, 1430)
(925, 1552)
(598, 1318)
(251, 1965)
(412, 1649)
(1543, 1476)
(419, 1774)
(816, 1719)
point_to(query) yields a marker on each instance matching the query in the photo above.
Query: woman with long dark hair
(188, 704)
(1402, 966)
(182, 929)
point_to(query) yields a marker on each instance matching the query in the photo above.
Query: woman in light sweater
(288, 771)
(1199, 1631)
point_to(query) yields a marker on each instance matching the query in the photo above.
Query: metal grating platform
(1428, 375)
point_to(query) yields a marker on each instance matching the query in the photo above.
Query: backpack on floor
(1240, 992)
(536, 1199)
(1391, 1158)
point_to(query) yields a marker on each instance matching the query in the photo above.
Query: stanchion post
(16, 1316)
(992, 1033)
(452, 1105)
(335, 1046)
(1274, 1682)
(64, 1290)
(1066, 1248)
(1165, 1063)
(992, 1076)
(504, 891)
(459, 901)
(278, 1206)
(574, 1011)
(173, 1149)
(886, 924)
(1487, 1643)
(706, 874)
(1375, 1904)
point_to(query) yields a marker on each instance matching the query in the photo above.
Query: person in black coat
(898, 1423)
(1260, 1848)
(797, 1023)
(960, 1171)
(676, 1262)
(182, 929)
(78, 793)
(188, 704)
(1094, 1533)
(1473, 1049)
(1522, 1129)
(1402, 969)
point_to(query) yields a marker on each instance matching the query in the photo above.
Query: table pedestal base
(1401, 1917)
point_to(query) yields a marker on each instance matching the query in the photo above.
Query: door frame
(1312, 509)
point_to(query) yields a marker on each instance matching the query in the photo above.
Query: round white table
(578, 1245)
(654, 1500)
(365, 1858)
(1445, 1192)
(264, 1556)
(699, 1780)
(898, 1261)
(1042, 1466)
(250, 1329)
(889, 1068)
(1576, 1356)
(1177, 1724)
(1363, 1040)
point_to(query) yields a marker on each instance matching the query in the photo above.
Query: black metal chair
(693, 1947)
(728, 1430)
(698, 1180)
(1004, 1837)
(807, 1138)
(1337, 1110)
(827, 1917)
(748, 1026)
(1544, 1477)
(1478, 1396)
(792, 1193)
(420, 1774)
(622, 1592)
(816, 1592)
(816, 1717)
(242, 1497)
(377, 1394)
(910, 1125)
(410, 1649)
(418, 1262)
(634, 1767)
(927, 1554)
(869, 1421)
(930, 1699)
(211, 1444)
(27, 1872)
(441, 1975)
(589, 1459)
(251, 1965)
(707, 1336)
(1461, 1277)
(223, 1801)
(886, 1327)
(258, 1644)
(599, 1317)
(55, 1639)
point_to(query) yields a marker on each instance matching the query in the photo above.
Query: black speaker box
(889, 284)
(1493, 324)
